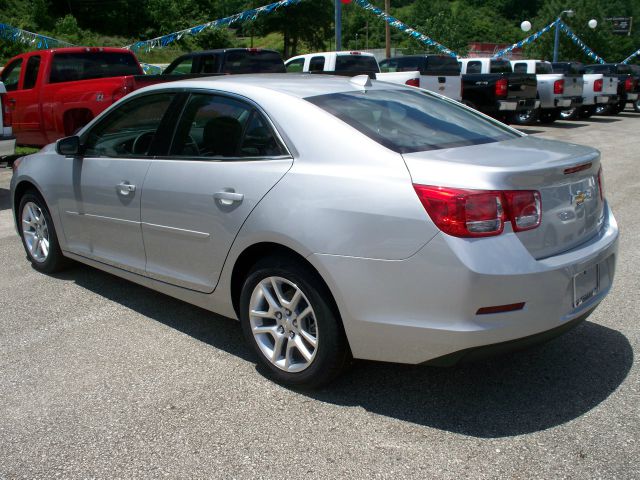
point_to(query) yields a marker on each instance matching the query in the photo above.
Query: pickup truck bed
(480, 91)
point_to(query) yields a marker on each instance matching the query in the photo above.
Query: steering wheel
(142, 143)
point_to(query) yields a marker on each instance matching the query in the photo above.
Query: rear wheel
(288, 318)
(549, 116)
(636, 106)
(569, 114)
(603, 109)
(39, 234)
(586, 112)
(524, 117)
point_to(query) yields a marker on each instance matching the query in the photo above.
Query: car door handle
(228, 198)
(126, 188)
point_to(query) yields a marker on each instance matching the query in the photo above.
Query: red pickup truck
(52, 93)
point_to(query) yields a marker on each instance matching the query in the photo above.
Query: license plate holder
(586, 284)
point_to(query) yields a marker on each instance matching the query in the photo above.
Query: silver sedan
(336, 218)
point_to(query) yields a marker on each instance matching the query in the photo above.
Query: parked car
(227, 61)
(490, 86)
(408, 228)
(636, 72)
(52, 93)
(438, 73)
(627, 86)
(555, 90)
(7, 140)
(348, 64)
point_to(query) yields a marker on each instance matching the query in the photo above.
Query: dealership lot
(102, 378)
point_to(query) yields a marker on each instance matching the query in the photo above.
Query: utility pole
(387, 30)
(556, 40)
(338, 24)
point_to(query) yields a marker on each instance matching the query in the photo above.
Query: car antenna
(361, 81)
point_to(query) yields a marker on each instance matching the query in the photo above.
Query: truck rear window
(543, 68)
(500, 66)
(253, 61)
(69, 67)
(356, 64)
(411, 121)
(442, 65)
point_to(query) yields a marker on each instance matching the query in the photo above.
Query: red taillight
(597, 85)
(127, 87)
(7, 117)
(413, 82)
(502, 86)
(601, 183)
(628, 84)
(480, 213)
(558, 87)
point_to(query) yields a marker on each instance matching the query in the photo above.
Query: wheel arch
(22, 187)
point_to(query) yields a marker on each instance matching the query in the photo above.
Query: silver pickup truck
(7, 140)
(556, 91)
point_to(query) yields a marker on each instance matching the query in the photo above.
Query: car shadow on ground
(603, 119)
(629, 114)
(528, 131)
(565, 124)
(513, 394)
(5, 199)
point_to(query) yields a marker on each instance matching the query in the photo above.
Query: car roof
(224, 50)
(300, 85)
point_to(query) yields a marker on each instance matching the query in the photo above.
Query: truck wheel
(586, 112)
(569, 114)
(603, 109)
(524, 117)
(636, 106)
(549, 116)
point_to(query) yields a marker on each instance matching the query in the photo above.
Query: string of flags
(632, 56)
(248, 15)
(586, 50)
(525, 41)
(394, 22)
(17, 35)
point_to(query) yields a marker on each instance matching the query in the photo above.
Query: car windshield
(411, 121)
(68, 67)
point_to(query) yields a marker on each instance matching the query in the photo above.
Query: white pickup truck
(7, 140)
(438, 73)
(555, 90)
(598, 89)
(351, 64)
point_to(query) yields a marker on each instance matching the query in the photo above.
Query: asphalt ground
(101, 378)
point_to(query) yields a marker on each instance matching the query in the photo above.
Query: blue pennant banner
(248, 15)
(586, 50)
(13, 34)
(525, 41)
(632, 56)
(394, 22)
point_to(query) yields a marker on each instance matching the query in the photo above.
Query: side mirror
(69, 146)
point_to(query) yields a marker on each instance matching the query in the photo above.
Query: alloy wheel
(35, 232)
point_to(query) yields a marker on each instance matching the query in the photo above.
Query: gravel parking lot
(102, 378)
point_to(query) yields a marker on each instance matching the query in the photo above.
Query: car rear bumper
(513, 105)
(426, 307)
(563, 102)
(7, 146)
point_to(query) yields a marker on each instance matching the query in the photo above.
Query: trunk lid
(522, 85)
(564, 174)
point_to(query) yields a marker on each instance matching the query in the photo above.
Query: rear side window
(253, 61)
(357, 64)
(442, 65)
(389, 66)
(409, 64)
(295, 65)
(69, 67)
(31, 73)
(520, 68)
(11, 75)
(543, 68)
(411, 121)
(216, 126)
(316, 64)
(474, 67)
(500, 66)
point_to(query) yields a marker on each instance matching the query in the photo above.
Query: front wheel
(288, 317)
(569, 114)
(636, 106)
(603, 109)
(587, 112)
(549, 116)
(39, 234)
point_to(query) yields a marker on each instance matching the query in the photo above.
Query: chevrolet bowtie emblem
(580, 197)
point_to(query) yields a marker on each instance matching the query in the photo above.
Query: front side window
(11, 75)
(411, 121)
(295, 66)
(183, 67)
(130, 129)
(31, 73)
(389, 66)
(214, 126)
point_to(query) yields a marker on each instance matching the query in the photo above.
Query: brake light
(355, 53)
(7, 116)
(601, 183)
(480, 213)
(127, 87)
(413, 82)
(502, 86)
(558, 87)
(597, 85)
(628, 84)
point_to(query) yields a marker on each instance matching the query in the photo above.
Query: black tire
(570, 113)
(603, 109)
(332, 353)
(587, 112)
(549, 116)
(636, 106)
(524, 117)
(54, 261)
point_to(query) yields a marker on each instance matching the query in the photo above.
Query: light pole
(556, 40)
(338, 24)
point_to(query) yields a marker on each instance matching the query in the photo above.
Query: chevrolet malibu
(336, 218)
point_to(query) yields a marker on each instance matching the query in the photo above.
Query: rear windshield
(253, 61)
(543, 68)
(568, 68)
(598, 69)
(442, 65)
(69, 67)
(501, 66)
(411, 121)
(356, 64)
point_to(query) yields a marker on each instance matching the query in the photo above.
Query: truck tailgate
(522, 85)
(573, 85)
